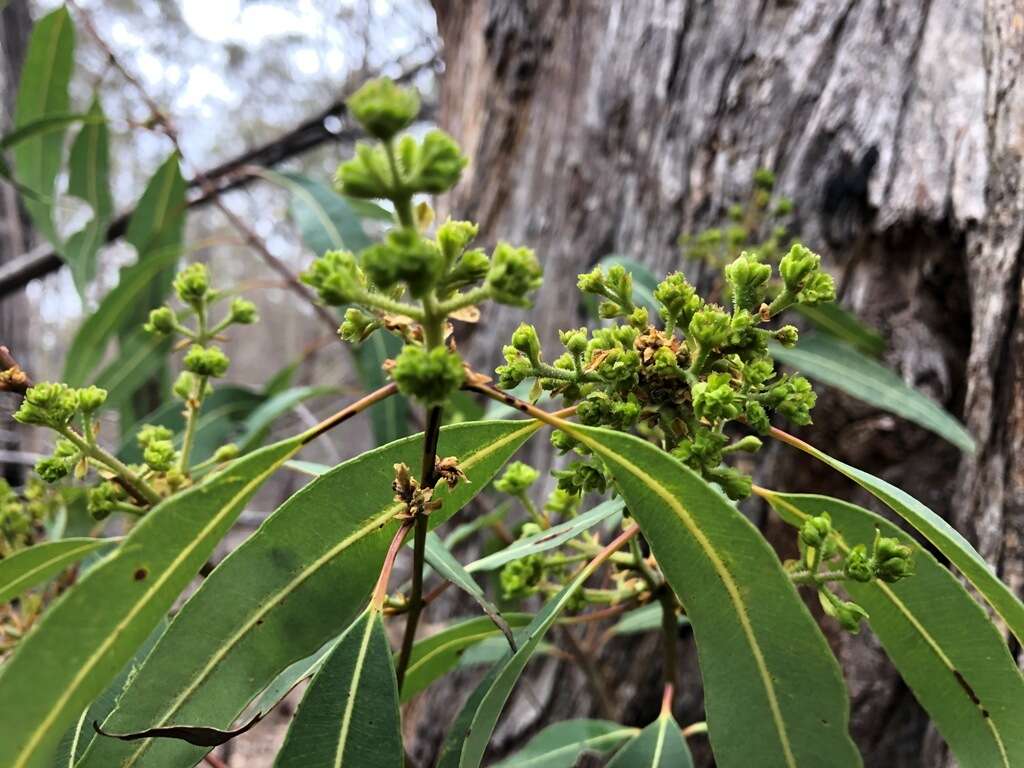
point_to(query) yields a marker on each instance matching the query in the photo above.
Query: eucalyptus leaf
(226, 645)
(349, 714)
(547, 539)
(42, 93)
(562, 744)
(760, 650)
(646, 618)
(941, 534)
(944, 646)
(85, 639)
(832, 319)
(33, 565)
(659, 745)
(435, 656)
(89, 180)
(838, 365)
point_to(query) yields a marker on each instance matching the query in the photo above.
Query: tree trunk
(15, 228)
(614, 126)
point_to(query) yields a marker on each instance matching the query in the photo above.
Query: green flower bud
(858, 565)
(242, 312)
(430, 376)
(794, 399)
(562, 442)
(453, 237)
(519, 578)
(702, 450)
(471, 267)
(524, 339)
(159, 455)
(52, 468)
(150, 433)
(758, 371)
(715, 399)
(184, 385)
(365, 176)
(519, 368)
(357, 325)
(757, 417)
(103, 499)
(225, 453)
(593, 282)
(818, 288)
(816, 530)
(746, 277)
(849, 616)
(620, 367)
(580, 477)
(383, 108)
(665, 363)
(575, 341)
(515, 272)
(734, 483)
(892, 560)
(91, 398)
(748, 444)
(192, 285)
(336, 278)
(161, 321)
(796, 266)
(518, 477)
(710, 327)
(562, 503)
(678, 299)
(787, 336)
(206, 361)
(783, 207)
(437, 162)
(48, 404)
(404, 256)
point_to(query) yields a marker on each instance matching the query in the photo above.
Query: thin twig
(380, 592)
(349, 411)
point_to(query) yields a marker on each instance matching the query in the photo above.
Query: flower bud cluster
(682, 384)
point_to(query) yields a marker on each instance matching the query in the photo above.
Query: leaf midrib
(353, 690)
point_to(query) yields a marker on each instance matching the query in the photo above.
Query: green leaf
(660, 745)
(389, 418)
(564, 743)
(36, 564)
(43, 92)
(838, 365)
(226, 645)
(467, 740)
(289, 677)
(155, 230)
(832, 319)
(760, 651)
(547, 539)
(44, 125)
(84, 639)
(89, 180)
(349, 715)
(75, 738)
(440, 653)
(326, 220)
(941, 534)
(262, 418)
(140, 356)
(646, 618)
(445, 563)
(941, 641)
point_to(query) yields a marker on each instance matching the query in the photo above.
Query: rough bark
(612, 126)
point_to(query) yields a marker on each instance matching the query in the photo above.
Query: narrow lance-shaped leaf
(836, 321)
(349, 714)
(89, 180)
(34, 565)
(940, 533)
(84, 640)
(944, 646)
(838, 365)
(225, 646)
(467, 740)
(547, 539)
(440, 653)
(760, 651)
(43, 92)
(445, 563)
(659, 745)
(562, 744)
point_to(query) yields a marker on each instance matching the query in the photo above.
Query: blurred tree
(614, 126)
